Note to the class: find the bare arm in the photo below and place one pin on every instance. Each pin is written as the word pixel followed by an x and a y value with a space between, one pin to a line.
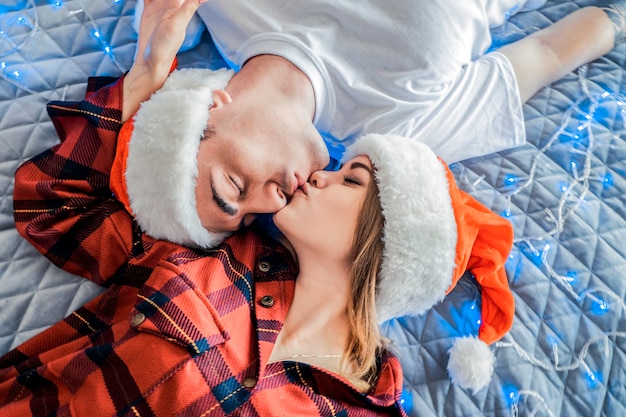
pixel 161 34
pixel 551 53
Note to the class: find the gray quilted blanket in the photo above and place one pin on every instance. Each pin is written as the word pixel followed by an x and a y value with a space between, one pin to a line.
pixel 564 192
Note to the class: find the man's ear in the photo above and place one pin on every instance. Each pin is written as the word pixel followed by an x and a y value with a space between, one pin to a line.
pixel 220 98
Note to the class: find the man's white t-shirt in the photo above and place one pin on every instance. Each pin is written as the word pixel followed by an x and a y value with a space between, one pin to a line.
pixel 415 68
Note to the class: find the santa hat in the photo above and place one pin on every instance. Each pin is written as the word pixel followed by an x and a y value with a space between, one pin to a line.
pixel 433 233
pixel 155 168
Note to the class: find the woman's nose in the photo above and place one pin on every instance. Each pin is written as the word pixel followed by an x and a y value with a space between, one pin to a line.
pixel 321 179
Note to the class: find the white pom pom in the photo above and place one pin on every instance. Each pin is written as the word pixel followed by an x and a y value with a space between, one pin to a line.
pixel 471 363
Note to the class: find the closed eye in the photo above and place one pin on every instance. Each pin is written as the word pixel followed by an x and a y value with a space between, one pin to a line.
pixel 221 203
pixel 352 180
pixel 237 185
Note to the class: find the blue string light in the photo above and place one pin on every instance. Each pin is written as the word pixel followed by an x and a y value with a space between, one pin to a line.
pixel 594 379
pixel 599 306
pixel 510 179
pixel 571 277
pixel 511 394
pixel 607 180
pixel 406 400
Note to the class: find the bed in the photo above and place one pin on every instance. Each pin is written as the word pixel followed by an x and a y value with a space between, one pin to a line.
pixel 564 192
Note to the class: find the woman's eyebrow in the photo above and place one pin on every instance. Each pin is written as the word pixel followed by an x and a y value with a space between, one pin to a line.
pixel 361 165
pixel 221 203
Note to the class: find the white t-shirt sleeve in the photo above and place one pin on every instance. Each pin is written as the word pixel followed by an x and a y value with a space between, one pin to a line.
pixel 480 113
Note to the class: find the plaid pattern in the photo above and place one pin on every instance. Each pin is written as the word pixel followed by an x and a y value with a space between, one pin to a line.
pixel 178 331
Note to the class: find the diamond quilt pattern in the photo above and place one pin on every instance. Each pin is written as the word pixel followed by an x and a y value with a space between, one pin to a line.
pixel 564 192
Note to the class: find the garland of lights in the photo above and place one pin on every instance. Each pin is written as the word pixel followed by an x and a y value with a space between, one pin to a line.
pixel 573 194
pixel 25 15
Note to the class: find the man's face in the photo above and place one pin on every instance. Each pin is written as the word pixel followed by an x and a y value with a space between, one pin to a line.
pixel 253 163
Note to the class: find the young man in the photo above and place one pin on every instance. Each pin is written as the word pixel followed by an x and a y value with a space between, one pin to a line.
pixel 420 70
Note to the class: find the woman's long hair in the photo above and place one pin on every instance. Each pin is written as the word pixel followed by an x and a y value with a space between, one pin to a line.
pixel 365 341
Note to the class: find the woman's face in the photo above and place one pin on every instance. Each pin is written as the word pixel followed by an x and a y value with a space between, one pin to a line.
pixel 323 213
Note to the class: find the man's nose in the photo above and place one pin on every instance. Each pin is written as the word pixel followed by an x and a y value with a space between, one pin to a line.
pixel 264 199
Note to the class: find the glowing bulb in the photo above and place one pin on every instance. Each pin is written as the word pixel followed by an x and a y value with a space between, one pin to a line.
pixel 593 379
pixel 600 307
pixel 96 33
pixel 511 394
pixel 607 180
pixel 574 166
pixel 406 401
pixel 571 277
pixel 510 179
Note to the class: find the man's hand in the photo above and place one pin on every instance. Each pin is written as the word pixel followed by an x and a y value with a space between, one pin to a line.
pixel 161 34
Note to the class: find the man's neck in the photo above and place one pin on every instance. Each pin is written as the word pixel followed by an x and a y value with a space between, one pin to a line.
pixel 274 75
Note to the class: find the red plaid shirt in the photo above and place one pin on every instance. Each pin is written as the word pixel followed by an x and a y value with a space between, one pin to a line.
pixel 178 331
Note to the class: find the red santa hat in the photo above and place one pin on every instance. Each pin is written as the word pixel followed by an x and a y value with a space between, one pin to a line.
pixel 433 233
pixel 155 168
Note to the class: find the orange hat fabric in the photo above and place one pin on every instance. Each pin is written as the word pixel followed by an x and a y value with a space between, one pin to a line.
pixel 484 242
pixel 117 180
pixel 433 233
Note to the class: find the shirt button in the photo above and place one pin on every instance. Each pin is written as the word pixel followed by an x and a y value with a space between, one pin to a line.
pixel 267 301
pixel 264 266
pixel 138 319
pixel 249 382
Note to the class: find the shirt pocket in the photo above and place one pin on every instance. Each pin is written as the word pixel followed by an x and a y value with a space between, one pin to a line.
pixel 169 305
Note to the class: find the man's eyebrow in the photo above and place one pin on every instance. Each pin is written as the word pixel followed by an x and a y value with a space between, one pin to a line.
pixel 221 203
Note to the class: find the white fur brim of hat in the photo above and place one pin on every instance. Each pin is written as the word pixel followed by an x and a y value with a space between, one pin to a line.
pixel 162 167
pixel 420 232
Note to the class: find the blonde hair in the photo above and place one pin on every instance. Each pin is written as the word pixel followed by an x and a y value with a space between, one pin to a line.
pixel 365 341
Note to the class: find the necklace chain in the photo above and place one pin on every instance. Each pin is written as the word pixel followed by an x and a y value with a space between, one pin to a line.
pixel 304 355
pixel 299 355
